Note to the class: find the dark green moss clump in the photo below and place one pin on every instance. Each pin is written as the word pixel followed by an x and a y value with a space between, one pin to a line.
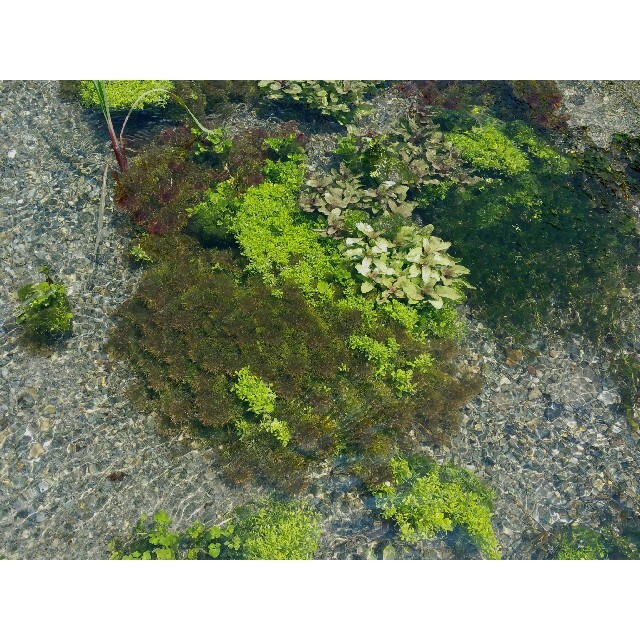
pixel 190 346
pixel 45 310
pixel 581 543
pixel 267 346
pixel 542 249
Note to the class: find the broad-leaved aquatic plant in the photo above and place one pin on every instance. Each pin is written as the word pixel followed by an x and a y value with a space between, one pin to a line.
pixel 413 266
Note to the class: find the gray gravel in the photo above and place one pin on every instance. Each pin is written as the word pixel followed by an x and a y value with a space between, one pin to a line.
pixel 545 432
pixel 602 107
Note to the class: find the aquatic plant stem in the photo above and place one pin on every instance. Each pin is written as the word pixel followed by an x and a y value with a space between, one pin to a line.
pixel 104 103
pixel 103 196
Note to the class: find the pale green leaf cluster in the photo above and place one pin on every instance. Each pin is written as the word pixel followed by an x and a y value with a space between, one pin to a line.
pixel 214 142
pixel 340 193
pixel 414 266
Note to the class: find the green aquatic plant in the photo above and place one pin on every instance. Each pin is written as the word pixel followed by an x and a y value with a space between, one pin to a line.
pixel 278 244
pixel 541 250
pixel 137 94
pixel 44 309
pixel 122 94
pixel 214 142
pixel 412 266
pixel 488 149
pixel 270 530
pixel 210 220
pixel 424 499
pixel 258 395
pixel 139 255
pixel 344 100
pixel 259 295
pixel 278 531
pixel 384 175
pixel 188 348
pixel 581 543
pixel 163 182
pixel 390 363
pixel 103 101
pixel 261 400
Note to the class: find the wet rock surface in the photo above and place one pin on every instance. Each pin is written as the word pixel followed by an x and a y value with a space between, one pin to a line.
pixel 603 107
pixel 78 465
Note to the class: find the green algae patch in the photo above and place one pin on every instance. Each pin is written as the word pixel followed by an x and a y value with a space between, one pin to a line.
pixel 271 530
pixel 425 499
pixel 122 94
pixel 44 309
pixel 489 149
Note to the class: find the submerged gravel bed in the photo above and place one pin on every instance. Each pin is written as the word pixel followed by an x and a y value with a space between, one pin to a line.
pixel 78 464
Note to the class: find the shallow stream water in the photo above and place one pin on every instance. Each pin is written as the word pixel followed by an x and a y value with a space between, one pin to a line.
pixel 79 465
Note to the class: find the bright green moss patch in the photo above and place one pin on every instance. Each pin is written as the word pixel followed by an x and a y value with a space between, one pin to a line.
pixel 121 94
pixel 255 392
pixel 279 531
pixel 425 499
pixel 44 309
pixel 526 138
pixel 271 531
pixel 489 149
pixel 261 400
pixel 277 245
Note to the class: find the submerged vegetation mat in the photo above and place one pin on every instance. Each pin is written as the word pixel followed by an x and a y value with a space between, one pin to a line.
pixel 292 315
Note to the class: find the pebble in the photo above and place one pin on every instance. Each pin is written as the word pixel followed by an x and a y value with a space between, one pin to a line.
pixel 535 393
pixel 607 397
pixel 36 450
pixel 553 411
